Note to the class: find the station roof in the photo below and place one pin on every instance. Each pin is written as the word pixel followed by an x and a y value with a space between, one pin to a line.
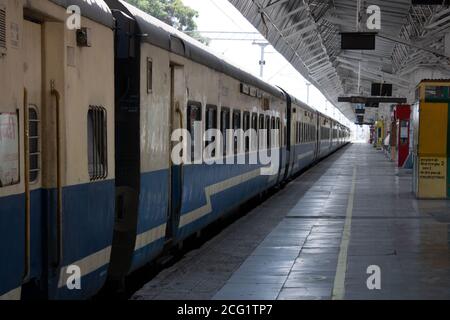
pixel 307 34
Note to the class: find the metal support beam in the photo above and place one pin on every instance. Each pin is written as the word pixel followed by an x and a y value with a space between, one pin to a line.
pixel 371 100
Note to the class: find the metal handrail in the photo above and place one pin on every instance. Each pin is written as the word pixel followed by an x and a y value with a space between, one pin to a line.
pixel 59 246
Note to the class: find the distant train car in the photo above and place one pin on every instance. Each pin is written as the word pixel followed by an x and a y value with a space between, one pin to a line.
pixel 88 184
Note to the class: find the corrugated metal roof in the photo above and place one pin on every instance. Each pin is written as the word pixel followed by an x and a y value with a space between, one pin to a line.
pixel 307 33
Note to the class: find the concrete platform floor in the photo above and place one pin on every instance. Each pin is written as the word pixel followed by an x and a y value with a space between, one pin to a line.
pixel 316 239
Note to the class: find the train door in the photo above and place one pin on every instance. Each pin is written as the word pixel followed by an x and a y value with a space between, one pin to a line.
pixel 33 142
pixel 127 144
pixel 20 164
pixel 177 101
pixel 288 135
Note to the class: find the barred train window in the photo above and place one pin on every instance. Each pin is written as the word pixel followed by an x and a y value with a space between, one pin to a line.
pixel 255 121
pixel 194 114
pixel 211 117
pixel 268 132
pixel 97 143
pixel 280 135
pixel 34 147
pixel 224 126
pixel 236 126
pixel 246 128
pixel 211 122
pixel 261 122
pixel 2 30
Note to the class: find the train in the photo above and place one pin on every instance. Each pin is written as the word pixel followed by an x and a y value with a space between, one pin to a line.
pixel 88 189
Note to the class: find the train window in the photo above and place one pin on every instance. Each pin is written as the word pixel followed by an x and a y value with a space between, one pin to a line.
pixel 9 149
pixel 3 31
pixel 211 122
pixel 236 126
pixel 246 128
pixel 305 125
pixel 149 75
pixel 260 131
pixel 236 119
pixel 254 127
pixel 261 122
pixel 255 121
pixel 194 114
pixel 224 126
pixel 97 143
pixel 306 132
pixel 246 121
pixel 278 127
pixel 268 131
pixel 33 146
pixel 273 130
pixel 302 131
pixel 211 117
pixel 300 136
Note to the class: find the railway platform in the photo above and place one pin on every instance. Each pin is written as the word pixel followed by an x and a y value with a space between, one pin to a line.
pixel 348 228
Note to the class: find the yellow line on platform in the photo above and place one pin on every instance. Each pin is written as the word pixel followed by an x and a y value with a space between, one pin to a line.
pixel 341 270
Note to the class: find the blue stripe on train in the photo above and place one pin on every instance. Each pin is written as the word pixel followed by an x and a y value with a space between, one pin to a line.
pixel 88 222
pixel 302 149
pixel 198 177
pixel 12 242
pixel 153 208
pixel 153 198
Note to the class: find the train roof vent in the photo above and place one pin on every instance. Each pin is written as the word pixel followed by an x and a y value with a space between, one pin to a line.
pixel 2 31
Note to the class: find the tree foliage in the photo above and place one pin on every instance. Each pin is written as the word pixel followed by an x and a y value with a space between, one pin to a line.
pixel 172 12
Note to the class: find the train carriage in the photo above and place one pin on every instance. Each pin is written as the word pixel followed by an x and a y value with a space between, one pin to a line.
pixel 175 82
pixel 57 164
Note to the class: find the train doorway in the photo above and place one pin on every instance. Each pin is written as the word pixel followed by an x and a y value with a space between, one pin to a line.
pixel 177 101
